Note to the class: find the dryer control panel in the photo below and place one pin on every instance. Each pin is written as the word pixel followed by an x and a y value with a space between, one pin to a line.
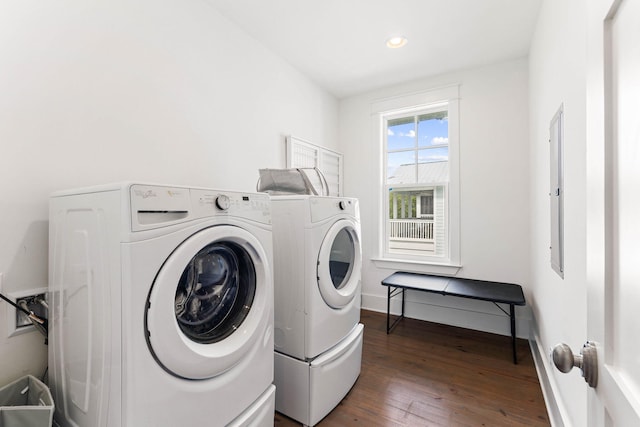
pixel 327 207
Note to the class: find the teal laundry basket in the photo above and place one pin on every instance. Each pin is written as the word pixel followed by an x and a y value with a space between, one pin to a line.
pixel 26 402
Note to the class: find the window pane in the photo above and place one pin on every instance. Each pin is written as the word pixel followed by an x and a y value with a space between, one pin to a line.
pixel 402 204
pixel 433 166
pixel 433 129
pixel 401 133
pixel 429 155
pixel 438 115
pixel 416 221
pixel 401 167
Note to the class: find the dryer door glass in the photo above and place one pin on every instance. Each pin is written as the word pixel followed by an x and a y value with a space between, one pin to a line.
pixel 341 258
pixel 215 292
pixel 340 263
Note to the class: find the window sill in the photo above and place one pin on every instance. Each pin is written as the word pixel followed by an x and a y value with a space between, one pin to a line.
pixel 417 266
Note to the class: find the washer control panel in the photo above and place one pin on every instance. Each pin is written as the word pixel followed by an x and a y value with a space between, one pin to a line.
pixel 246 205
pixel 154 206
pixel 223 202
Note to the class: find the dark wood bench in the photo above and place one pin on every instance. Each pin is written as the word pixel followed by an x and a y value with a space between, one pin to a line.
pixel 495 292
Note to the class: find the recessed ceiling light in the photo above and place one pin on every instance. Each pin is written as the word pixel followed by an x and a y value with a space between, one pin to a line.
pixel 396 42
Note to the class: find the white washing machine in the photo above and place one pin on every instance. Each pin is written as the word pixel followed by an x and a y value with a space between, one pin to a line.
pixel 161 305
pixel 317 282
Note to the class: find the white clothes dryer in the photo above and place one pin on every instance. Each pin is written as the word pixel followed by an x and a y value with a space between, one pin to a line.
pixel 161 307
pixel 317 282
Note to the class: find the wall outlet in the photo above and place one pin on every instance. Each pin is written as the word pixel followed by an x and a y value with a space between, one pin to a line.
pixel 18 322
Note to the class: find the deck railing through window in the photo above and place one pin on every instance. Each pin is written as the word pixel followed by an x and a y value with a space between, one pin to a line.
pixel 411 229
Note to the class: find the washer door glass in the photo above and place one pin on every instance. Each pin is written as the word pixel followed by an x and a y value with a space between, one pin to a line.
pixel 210 303
pixel 215 292
pixel 341 258
pixel 340 264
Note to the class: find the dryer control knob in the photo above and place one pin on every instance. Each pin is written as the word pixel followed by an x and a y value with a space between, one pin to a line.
pixel 223 202
pixel 342 204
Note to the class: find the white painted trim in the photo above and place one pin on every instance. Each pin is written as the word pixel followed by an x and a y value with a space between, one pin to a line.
pixel 410 104
pixel 553 410
pixel 453 188
pixel 556 409
pixel 411 101
pixel 417 266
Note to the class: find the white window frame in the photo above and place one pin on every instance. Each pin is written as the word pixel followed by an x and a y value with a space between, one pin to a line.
pixel 404 106
pixel 304 154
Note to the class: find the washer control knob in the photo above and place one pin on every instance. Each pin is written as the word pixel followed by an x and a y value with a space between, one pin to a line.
pixel 342 205
pixel 223 202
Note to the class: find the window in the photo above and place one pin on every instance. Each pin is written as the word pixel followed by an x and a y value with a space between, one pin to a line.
pixel 420 218
pixel 303 154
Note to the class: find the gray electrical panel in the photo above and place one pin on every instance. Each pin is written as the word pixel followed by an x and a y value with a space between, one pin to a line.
pixel 556 193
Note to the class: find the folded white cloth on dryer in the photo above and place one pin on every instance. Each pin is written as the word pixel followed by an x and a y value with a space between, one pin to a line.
pixel 292 181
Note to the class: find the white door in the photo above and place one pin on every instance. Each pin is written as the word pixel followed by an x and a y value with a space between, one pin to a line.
pixel 613 209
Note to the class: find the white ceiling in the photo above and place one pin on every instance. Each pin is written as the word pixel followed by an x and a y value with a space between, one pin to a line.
pixel 340 44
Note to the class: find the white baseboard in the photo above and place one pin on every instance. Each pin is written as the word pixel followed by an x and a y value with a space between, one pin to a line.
pixel 558 414
pixel 465 313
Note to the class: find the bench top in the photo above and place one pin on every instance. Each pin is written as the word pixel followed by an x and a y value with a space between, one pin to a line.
pixel 508 293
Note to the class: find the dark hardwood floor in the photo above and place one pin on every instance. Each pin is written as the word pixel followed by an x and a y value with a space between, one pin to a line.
pixel 427 374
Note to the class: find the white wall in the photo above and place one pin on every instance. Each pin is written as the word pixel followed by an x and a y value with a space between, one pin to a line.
pixel 160 91
pixel 494 184
pixel 557 76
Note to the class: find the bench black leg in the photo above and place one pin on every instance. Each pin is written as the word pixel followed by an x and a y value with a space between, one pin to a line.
pixel 388 306
pixel 512 314
pixel 391 294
